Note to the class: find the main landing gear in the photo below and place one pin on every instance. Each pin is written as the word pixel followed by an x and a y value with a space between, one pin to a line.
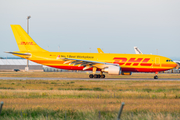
pixel 96 76
pixel 156 77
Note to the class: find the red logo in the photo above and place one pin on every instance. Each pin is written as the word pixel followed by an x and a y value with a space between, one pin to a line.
pixel 27 43
pixel 132 61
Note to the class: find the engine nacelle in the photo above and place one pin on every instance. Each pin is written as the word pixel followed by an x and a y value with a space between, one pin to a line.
pixel 113 70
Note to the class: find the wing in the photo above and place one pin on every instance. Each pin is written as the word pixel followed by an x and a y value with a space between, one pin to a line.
pixel 86 63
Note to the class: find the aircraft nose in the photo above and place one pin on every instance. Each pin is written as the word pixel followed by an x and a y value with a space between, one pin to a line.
pixel 177 65
pixel 174 65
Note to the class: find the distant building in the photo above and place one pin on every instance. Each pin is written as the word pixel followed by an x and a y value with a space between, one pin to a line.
pixel 51 69
pixel 12 63
pixel 9 64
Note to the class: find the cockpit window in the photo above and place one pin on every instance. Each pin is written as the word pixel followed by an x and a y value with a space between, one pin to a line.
pixel 169 61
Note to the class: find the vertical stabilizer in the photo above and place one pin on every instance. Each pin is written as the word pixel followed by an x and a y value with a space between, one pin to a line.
pixel 99 50
pixel 137 51
pixel 24 41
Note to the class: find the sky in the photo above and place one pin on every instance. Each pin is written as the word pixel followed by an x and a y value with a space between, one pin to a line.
pixel 115 26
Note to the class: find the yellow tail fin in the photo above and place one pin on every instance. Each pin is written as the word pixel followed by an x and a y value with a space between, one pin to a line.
pixel 99 50
pixel 24 41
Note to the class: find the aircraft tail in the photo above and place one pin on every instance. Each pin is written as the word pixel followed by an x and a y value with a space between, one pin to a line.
pixel 24 41
pixel 99 50
pixel 137 50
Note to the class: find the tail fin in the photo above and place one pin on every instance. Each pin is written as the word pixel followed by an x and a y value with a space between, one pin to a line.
pixel 137 50
pixel 99 50
pixel 24 41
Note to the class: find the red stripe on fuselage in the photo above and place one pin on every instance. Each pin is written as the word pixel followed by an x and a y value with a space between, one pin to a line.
pixel 123 69
pixel 143 69
pixel 71 68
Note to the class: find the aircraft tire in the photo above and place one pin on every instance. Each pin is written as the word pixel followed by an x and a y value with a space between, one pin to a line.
pixel 91 76
pixel 156 77
pixel 96 76
pixel 99 76
pixel 102 76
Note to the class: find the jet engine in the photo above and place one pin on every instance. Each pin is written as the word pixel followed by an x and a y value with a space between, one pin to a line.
pixel 113 70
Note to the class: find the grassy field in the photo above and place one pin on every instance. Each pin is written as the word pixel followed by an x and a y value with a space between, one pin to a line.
pixel 88 99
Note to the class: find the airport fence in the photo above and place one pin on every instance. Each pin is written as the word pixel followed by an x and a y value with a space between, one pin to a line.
pixel 1 107
pixel 65 116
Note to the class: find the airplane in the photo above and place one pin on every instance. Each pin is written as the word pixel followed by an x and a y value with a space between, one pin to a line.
pixel 113 64
pixel 137 50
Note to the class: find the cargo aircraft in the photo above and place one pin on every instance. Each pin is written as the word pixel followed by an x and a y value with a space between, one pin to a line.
pixel 113 64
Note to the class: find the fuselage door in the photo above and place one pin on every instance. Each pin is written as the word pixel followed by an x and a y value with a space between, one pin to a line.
pixel 157 61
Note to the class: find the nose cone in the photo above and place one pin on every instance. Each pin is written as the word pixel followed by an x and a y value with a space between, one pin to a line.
pixel 174 65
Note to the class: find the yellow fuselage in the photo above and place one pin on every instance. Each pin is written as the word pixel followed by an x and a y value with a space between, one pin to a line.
pixel 127 62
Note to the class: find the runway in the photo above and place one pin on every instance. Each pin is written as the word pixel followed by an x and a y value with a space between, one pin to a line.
pixel 38 78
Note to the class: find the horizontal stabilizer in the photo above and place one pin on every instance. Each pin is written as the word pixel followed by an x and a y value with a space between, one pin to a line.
pixel 16 53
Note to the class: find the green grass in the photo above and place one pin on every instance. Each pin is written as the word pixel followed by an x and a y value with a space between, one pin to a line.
pixel 10 88
pixel 83 99
pixel 39 114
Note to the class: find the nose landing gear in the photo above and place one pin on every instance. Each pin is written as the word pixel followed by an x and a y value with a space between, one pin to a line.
pixel 156 77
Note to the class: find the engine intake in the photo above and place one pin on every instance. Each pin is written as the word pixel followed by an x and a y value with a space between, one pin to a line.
pixel 113 70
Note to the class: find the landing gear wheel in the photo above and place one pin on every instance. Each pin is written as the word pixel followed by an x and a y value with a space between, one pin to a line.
pixel 103 76
pixel 96 76
pixel 91 76
pixel 156 77
pixel 99 76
